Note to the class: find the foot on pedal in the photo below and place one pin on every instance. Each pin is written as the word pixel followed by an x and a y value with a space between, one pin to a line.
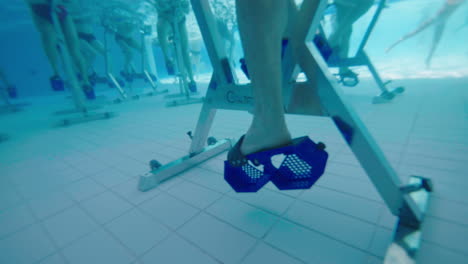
pixel 303 164
pixel 244 173
pixel 12 92
pixel 93 78
pixel 192 86
pixel 170 68
pixel 127 76
pixel 89 92
pixel 57 83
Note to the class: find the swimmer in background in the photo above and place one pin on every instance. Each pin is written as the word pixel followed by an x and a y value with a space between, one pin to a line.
pixel 196 46
pixel 228 38
pixel 84 20
pixel 347 13
pixel 439 20
pixel 173 13
pixel 124 22
pixel 226 23
pixel 41 12
pixel 124 38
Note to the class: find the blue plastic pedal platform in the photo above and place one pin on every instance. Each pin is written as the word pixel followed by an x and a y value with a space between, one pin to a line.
pixel 12 92
pixel 90 95
pixel 192 87
pixel 302 167
pixel 57 84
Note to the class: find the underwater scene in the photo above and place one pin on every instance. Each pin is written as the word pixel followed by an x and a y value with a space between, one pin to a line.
pixel 233 131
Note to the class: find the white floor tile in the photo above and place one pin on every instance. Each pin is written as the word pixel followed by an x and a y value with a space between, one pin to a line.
pixel 169 210
pixel 381 240
pixel 433 254
pixel 106 206
pixel 54 259
pixel 312 247
pixel 252 220
pixel 49 204
pixel 220 240
pixel 208 178
pixel 9 197
pixel 271 201
pixel 14 219
pixel 84 189
pixel 110 177
pixel 344 203
pixel 177 251
pixel 97 247
pixel 449 211
pixel 138 231
pixel 194 194
pixel 448 235
pixel 130 192
pixel 361 188
pixel 69 225
pixel 26 247
pixel 264 253
pixel 338 226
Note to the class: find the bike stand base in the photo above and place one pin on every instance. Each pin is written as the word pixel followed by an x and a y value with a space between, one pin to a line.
pixel 185 101
pixel 157 92
pixel 170 96
pixel 86 117
pixel 153 178
pixel 406 238
pixel 388 96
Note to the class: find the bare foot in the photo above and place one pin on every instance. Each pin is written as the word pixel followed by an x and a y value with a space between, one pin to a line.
pixel 263 138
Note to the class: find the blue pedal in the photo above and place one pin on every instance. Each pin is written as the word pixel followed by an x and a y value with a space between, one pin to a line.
pixel 246 178
pixel 192 87
pixel 304 162
pixel 89 93
pixel 301 168
pixel 57 84
pixel 12 92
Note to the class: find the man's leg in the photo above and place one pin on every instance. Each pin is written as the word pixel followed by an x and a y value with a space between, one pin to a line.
pixel 73 43
pixel 163 33
pixel 261 25
pixel 184 44
pixel 49 42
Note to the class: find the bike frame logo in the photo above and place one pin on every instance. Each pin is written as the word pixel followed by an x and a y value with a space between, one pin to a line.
pixel 234 98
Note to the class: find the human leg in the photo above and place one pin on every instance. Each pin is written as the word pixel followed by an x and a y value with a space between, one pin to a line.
pixel 73 43
pixel 49 42
pixel 184 44
pixel 128 57
pixel 440 18
pixel 261 25
pixel 439 30
pixel 346 16
pixel 164 29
